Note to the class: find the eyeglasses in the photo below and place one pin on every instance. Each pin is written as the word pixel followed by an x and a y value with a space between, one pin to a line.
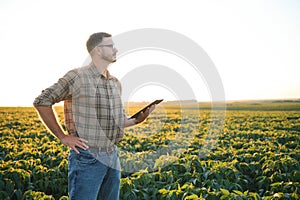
pixel 107 45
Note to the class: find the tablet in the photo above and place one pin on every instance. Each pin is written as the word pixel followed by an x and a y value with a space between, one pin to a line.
pixel 144 109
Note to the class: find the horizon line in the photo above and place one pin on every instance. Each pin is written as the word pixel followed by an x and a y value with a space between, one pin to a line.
pixel 187 100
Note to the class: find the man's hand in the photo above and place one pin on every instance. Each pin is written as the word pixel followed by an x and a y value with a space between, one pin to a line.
pixel 74 142
pixel 143 115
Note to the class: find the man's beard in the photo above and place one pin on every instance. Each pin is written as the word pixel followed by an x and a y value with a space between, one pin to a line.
pixel 109 59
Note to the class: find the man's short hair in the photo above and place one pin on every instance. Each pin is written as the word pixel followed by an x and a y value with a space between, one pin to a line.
pixel 95 39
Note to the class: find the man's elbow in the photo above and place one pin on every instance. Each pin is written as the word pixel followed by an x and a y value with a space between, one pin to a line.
pixel 38 103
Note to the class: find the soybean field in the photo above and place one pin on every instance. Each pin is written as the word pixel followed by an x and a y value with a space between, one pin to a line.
pixel 179 152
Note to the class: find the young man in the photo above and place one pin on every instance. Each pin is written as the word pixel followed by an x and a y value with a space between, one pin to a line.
pixel 95 120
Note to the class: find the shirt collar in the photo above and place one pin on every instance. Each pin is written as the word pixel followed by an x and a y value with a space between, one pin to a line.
pixel 97 73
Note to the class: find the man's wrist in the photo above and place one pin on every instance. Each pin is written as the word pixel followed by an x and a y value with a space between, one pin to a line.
pixel 61 136
pixel 135 121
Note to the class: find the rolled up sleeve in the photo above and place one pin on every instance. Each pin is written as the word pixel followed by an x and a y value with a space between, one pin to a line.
pixel 59 91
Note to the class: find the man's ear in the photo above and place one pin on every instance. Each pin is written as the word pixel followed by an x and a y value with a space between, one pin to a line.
pixel 97 50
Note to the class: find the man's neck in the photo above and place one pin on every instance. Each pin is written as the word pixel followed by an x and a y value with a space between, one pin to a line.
pixel 101 67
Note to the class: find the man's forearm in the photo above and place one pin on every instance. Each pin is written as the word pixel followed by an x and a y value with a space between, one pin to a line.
pixel 47 115
pixel 130 122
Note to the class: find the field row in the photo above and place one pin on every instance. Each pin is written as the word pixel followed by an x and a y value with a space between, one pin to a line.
pixel 175 154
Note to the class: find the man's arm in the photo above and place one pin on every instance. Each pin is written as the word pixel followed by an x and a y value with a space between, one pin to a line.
pixel 47 115
pixel 56 93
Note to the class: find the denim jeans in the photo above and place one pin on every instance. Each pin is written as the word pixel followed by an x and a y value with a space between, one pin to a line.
pixel 94 176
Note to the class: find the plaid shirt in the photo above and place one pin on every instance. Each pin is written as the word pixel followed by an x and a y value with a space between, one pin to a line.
pixel 92 105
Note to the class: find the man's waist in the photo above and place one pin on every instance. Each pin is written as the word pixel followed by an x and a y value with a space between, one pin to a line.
pixel 103 149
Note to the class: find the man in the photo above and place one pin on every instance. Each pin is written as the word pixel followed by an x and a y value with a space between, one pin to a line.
pixel 95 120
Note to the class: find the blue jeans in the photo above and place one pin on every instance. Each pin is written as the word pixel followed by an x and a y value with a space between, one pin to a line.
pixel 94 176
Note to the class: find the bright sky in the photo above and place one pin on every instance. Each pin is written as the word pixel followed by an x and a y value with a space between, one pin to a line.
pixel 254 44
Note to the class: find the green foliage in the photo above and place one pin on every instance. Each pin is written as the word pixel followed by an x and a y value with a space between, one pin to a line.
pixel 255 157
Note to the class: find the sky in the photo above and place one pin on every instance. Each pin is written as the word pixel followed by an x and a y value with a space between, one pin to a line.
pixel 254 45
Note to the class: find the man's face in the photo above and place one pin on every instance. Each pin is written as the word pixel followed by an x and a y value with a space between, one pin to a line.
pixel 109 52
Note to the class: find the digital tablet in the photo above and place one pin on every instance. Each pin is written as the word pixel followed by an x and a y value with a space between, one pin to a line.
pixel 145 108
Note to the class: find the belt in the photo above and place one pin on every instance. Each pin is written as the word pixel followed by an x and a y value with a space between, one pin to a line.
pixel 107 149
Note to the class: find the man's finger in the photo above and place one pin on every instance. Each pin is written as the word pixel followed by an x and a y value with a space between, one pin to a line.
pixel 74 148
pixel 81 145
pixel 83 140
pixel 151 108
pixel 84 146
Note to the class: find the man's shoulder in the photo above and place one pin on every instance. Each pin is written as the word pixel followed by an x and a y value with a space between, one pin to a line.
pixel 75 72
pixel 114 78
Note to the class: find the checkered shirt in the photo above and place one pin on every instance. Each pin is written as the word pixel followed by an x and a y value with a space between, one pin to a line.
pixel 93 107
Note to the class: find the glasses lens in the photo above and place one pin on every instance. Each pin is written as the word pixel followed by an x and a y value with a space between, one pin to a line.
pixel 108 45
